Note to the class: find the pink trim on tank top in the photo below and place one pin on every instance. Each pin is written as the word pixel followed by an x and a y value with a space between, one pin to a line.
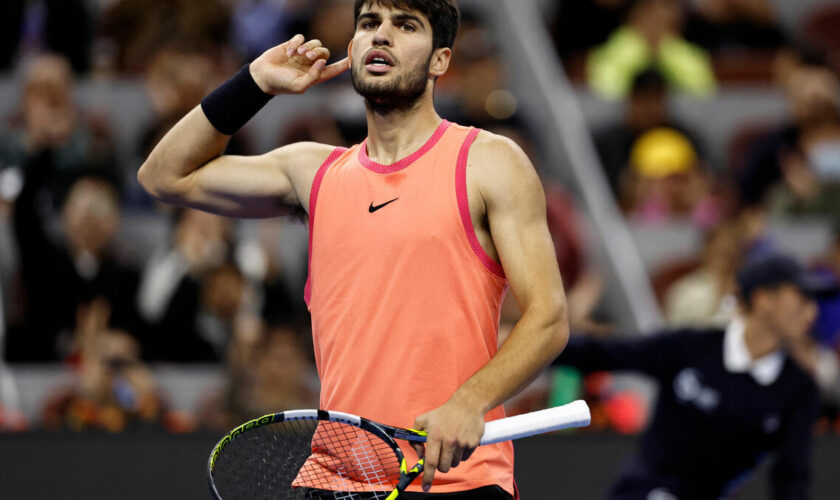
pixel 408 160
pixel 313 198
pixel 464 206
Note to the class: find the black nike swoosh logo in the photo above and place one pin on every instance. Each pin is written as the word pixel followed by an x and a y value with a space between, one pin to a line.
pixel 373 208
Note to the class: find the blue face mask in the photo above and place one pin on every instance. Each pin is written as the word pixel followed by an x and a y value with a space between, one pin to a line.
pixel 824 158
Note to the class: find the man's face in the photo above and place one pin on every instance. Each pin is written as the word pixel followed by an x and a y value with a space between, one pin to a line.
pixel 91 215
pixel 812 93
pixel 789 313
pixel 391 52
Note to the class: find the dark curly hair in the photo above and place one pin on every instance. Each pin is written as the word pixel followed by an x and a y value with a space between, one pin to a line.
pixel 443 15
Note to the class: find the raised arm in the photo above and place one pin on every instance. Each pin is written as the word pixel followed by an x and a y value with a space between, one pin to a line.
pixel 187 167
pixel 515 210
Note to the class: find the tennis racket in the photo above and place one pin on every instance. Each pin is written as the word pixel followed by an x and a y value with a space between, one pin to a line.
pixel 318 454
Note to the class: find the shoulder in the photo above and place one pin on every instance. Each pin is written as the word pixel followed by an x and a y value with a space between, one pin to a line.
pixel 299 163
pixel 801 379
pixel 498 165
pixel 498 152
pixel 303 155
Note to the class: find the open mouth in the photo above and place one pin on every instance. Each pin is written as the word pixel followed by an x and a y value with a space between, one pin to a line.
pixel 378 61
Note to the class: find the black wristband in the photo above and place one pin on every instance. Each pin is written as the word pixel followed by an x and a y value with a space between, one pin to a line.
pixel 236 101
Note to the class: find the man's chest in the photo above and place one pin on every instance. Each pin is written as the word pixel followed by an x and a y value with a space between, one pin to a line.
pixel 732 402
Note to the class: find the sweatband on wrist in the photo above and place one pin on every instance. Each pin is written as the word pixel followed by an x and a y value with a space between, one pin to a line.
pixel 236 101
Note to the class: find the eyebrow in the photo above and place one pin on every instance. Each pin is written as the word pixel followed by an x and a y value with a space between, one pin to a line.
pixel 408 17
pixel 402 17
pixel 368 16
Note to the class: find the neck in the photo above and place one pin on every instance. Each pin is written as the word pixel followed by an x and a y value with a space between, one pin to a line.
pixel 760 342
pixel 396 134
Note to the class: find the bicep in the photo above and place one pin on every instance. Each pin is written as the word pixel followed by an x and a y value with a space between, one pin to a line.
pixel 267 185
pixel 516 215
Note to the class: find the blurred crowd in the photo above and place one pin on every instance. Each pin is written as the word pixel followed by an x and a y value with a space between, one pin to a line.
pixel 226 292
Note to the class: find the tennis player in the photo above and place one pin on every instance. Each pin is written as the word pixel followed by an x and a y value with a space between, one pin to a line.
pixel 728 397
pixel 415 235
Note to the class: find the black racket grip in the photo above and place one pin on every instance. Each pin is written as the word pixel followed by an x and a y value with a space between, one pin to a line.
pixel 407 478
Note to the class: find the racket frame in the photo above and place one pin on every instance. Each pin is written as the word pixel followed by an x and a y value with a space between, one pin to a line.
pixel 574 414
pixel 384 432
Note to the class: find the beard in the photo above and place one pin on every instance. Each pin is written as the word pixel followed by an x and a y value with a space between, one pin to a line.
pixel 398 94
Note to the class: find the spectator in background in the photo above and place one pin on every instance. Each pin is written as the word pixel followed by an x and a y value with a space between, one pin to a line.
pixel 812 95
pixel 192 295
pixel 332 23
pixel 115 390
pixel 828 322
pixel 340 120
pixel 62 269
pixel 258 25
pixel 175 82
pixel 478 85
pixel 666 181
pixel 645 109
pixel 719 25
pixel 650 36
pixel 736 389
pixel 264 263
pixel 705 297
pixel 50 119
pixel 137 30
pixel 824 351
pixel 268 371
pixel 169 294
pixel 582 24
pixel 60 26
pixel 810 182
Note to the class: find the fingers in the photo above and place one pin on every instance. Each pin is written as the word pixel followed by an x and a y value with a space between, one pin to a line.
pixel 457 456
pixel 450 456
pixel 292 45
pixel 334 69
pixel 312 76
pixel 316 53
pixel 441 456
pixel 298 46
pixel 432 461
pixel 310 46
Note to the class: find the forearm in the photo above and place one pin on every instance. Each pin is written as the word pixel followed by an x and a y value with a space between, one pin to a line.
pixel 538 337
pixel 189 145
pixel 200 137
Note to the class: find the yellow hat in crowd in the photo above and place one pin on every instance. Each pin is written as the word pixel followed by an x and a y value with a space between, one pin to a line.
pixel 661 152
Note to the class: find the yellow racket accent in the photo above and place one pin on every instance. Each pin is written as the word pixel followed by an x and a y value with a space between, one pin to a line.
pixel 417 467
pixel 409 476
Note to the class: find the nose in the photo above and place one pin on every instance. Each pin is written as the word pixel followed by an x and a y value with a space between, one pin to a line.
pixel 382 37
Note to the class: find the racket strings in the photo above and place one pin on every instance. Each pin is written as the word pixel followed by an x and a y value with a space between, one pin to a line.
pixel 306 460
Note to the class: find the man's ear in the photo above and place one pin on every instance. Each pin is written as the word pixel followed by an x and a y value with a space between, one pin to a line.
pixel 440 61
pixel 350 52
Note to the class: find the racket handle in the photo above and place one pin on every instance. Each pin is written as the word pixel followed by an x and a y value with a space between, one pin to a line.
pixel 574 414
